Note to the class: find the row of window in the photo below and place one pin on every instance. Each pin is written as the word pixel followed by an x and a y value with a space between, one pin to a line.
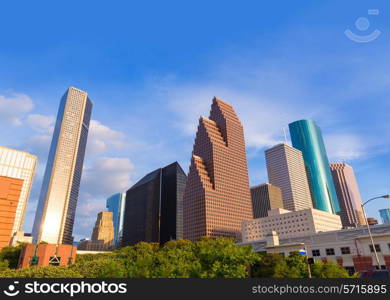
pixel 344 250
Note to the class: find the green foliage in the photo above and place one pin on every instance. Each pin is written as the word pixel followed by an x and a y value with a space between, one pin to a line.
pixel 41 272
pixel 3 265
pixel 266 265
pixel 11 255
pixel 207 258
pixel 221 258
pixel 329 269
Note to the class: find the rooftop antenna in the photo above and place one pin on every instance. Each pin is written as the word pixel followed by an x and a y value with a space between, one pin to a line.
pixel 285 134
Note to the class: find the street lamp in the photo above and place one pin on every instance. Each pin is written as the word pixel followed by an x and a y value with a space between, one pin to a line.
pixel 368 226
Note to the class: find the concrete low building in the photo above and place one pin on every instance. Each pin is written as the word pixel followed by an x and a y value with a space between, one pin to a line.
pixel 290 224
pixel 351 248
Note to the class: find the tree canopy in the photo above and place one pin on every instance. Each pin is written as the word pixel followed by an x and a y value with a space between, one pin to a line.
pixel 207 258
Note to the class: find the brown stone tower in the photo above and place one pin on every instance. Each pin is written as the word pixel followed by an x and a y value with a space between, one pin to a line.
pixel 217 196
pixel 104 229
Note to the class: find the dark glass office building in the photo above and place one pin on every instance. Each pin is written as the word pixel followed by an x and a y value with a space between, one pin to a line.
pixel 306 136
pixel 154 207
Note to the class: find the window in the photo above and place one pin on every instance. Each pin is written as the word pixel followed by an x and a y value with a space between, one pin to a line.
pixel 377 248
pixel 316 252
pixel 345 250
pixel 330 251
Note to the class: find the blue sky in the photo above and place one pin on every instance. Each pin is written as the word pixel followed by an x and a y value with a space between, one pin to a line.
pixel 152 68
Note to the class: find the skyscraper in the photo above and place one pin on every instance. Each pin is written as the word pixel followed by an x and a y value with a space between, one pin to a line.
pixel 60 188
pixel 348 195
pixel 286 170
pixel 264 198
pixel 116 205
pixel 153 207
pixel 306 136
pixel 385 215
pixel 217 197
pixel 20 165
pixel 104 229
pixel 10 189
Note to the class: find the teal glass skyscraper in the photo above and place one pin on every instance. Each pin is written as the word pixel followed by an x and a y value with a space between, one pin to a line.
pixel 116 205
pixel 385 215
pixel 306 136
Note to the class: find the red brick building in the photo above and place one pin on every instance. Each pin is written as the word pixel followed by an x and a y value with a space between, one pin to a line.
pixel 10 189
pixel 217 196
pixel 47 254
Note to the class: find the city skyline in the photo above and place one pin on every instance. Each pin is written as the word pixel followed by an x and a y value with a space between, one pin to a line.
pixel 273 69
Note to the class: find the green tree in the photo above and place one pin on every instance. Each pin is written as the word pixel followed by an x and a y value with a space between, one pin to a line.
pixel 41 272
pixel 271 265
pixel 329 269
pixel 265 265
pixel 11 255
pixel 3 265
pixel 102 267
pixel 222 258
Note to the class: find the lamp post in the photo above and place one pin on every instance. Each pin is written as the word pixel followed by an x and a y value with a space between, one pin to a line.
pixel 368 226
pixel 304 252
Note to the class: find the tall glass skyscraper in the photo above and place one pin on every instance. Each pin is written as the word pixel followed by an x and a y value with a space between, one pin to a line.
pixel 306 136
pixel 116 205
pixel 60 188
pixel 385 215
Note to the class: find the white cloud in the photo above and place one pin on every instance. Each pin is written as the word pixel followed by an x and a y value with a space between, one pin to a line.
pixel 13 108
pixel 107 175
pixel 38 145
pixel 41 123
pixel 263 117
pixel 102 138
pixel 345 147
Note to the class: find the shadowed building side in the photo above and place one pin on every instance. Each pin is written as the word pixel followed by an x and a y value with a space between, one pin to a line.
pixel 217 197
pixel 264 198
pixel 153 210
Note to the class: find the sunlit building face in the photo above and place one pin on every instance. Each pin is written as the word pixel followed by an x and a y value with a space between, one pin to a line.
pixel 20 165
pixel 58 199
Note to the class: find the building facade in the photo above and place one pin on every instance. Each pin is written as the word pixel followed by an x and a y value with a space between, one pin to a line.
pixel 116 205
pixel 47 254
pixel 20 165
pixel 61 182
pixel 348 194
pixel 351 248
pixel 286 170
pixel 10 190
pixel 217 196
pixel 306 136
pixel 264 198
pixel 153 210
pixel 104 229
pixel 290 224
pixel 385 215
